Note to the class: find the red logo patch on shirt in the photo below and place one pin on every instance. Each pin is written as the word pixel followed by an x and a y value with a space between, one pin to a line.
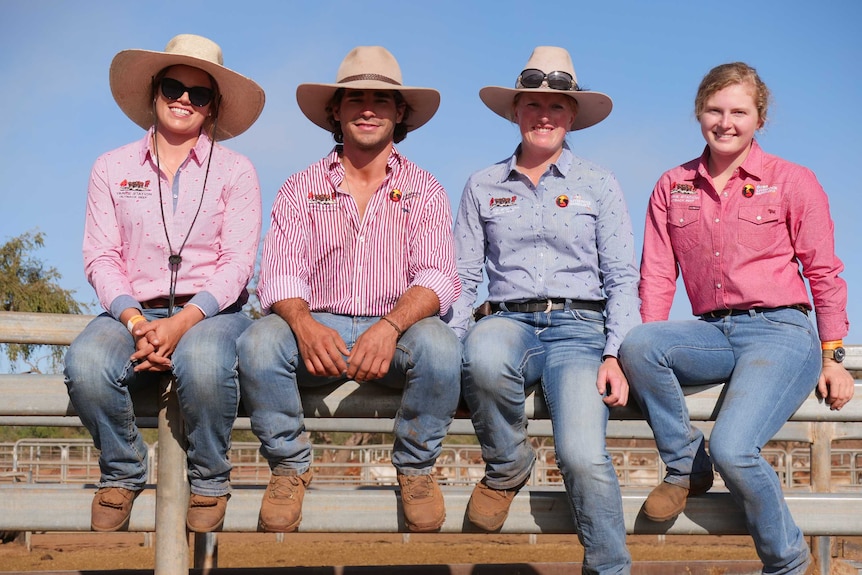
pixel 502 202
pixel 325 198
pixel 134 185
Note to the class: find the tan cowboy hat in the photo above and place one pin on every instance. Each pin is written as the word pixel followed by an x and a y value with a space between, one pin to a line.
pixel 132 73
pixel 367 68
pixel 593 107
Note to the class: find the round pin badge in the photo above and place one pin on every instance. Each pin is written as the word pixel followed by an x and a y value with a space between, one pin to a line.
pixel 562 201
pixel 747 190
pixel 395 195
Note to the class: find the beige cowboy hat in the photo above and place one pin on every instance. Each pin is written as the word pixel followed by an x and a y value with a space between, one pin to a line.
pixel 132 73
pixel 593 107
pixel 367 68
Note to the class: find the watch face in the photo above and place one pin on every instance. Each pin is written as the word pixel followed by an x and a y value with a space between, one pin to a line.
pixel 838 353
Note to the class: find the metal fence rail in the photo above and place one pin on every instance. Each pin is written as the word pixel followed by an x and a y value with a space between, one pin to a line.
pixel 825 496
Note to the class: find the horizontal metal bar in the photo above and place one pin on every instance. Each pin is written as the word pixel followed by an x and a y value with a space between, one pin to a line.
pixel 61 329
pixel 377 509
pixel 46 395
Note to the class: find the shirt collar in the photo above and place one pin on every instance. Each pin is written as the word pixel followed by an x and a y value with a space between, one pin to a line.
pixel 559 168
pixel 753 164
pixel 199 152
pixel 336 168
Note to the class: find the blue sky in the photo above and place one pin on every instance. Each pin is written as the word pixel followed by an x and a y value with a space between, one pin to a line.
pixel 649 56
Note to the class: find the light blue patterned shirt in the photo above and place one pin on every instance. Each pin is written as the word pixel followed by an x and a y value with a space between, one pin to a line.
pixel 569 237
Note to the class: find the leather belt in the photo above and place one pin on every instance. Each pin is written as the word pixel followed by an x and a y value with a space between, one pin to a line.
pixel 547 305
pixel 163 302
pixel 719 313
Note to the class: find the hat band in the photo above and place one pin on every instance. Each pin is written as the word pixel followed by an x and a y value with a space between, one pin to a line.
pixel 377 77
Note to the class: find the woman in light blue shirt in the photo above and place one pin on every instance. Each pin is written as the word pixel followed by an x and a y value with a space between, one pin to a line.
pixel 553 234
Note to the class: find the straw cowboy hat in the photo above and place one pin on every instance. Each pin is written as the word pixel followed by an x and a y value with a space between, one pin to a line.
pixel 132 73
pixel 367 68
pixel 593 107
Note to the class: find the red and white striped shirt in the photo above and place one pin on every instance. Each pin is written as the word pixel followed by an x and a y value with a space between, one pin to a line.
pixel 318 249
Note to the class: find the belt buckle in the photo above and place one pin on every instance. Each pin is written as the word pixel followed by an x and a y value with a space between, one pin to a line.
pixel 550 305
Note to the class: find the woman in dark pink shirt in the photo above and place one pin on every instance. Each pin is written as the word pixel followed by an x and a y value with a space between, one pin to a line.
pixel 737 223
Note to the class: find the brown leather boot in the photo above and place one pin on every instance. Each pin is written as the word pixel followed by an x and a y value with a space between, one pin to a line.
pixel 281 508
pixel 668 500
pixel 206 513
pixel 422 500
pixel 111 508
pixel 489 507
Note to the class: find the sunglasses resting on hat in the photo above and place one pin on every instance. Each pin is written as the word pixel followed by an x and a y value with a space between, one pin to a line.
pixel 533 78
pixel 199 96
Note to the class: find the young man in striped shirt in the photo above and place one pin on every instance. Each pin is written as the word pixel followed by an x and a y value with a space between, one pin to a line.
pixel 358 265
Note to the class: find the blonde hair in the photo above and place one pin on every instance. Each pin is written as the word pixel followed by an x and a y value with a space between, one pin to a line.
pixel 730 74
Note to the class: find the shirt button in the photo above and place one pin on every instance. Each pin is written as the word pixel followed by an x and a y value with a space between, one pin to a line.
pixel 682 220
pixel 717 220
pixel 759 218
pixel 717 254
pixel 718 286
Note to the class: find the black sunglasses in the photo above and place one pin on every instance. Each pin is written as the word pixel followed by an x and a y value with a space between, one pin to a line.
pixel 533 78
pixel 198 95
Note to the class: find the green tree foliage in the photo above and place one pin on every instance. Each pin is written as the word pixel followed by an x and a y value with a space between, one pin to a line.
pixel 27 284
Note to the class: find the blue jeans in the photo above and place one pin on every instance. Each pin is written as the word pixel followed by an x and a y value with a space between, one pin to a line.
pixel 425 366
pixel 771 362
pixel 99 377
pixel 507 352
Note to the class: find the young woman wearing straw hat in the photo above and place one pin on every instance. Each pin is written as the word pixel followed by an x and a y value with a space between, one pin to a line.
pixel 171 236
pixel 552 232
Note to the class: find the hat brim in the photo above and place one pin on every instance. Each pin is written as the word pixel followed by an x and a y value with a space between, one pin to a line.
pixel 593 107
pixel 132 71
pixel 313 98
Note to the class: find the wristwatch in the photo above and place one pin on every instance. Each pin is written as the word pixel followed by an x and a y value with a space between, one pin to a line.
pixel 837 354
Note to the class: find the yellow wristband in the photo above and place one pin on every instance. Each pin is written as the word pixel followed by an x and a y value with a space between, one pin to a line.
pixel 835 344
pixel 130 325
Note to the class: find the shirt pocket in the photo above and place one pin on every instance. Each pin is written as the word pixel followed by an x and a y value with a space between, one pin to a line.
pixel 760 226
pixel 683 228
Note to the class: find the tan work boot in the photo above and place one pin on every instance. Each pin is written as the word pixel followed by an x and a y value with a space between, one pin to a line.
pixel 668 500
pixel 206 513
pixel 281 508
pixel 422 500
pixel 111 509
pixel 489 507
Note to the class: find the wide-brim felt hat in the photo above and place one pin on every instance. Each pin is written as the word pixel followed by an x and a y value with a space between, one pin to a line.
pixel 593 107
pixel 132 73
pixel 368 68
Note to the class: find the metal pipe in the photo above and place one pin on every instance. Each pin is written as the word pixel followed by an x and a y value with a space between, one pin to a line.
pixel 172 492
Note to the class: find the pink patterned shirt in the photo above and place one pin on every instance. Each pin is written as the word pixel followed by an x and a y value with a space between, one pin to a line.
pixel 742 247
pixel 318 249
pixel 125 249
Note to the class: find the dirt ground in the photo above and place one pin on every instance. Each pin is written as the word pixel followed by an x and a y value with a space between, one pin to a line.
pixel 94 551
pixel 99 551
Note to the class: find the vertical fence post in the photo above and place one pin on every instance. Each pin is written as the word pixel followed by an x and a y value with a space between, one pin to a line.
pixel 172 492
pixel 821 482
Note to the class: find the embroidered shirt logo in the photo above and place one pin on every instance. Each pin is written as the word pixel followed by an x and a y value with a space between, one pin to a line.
pixel 134 186
pixel 678 188
pixel 322 199
pixel 762 189
pixel 502 202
